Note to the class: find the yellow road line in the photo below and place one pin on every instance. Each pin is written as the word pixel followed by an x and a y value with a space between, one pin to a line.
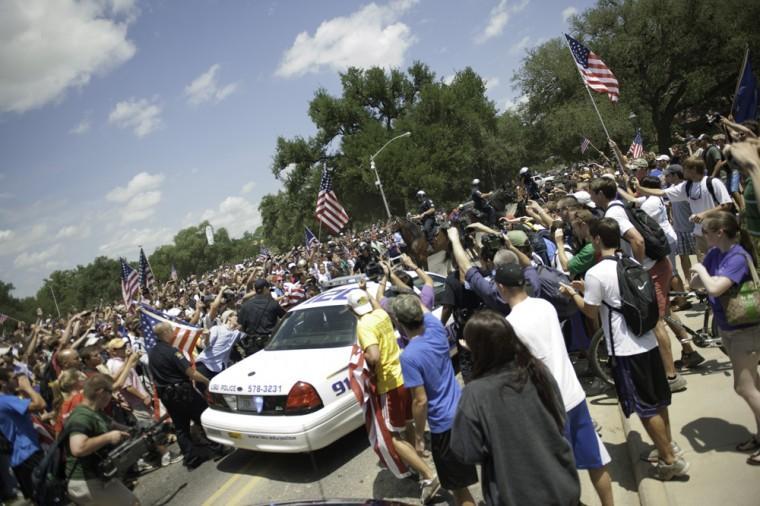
pixel 243 491
pixel 227 484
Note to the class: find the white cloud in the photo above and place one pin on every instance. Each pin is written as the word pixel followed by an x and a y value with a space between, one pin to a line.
pixel 126 242
pixel 236 214
pixel 142 116
pixel 568 13
pixel 141 195
pixel 520 45
pixel 73 232
pixel 512 104
pixel 498 19
pixel 447 80
pixel 16 241
pixel 81 128
pixel 38 259
pixel 371 36
pixel 6 235
pixel 248 187
pixel 491 83
pixel 205 88
pixel 48 47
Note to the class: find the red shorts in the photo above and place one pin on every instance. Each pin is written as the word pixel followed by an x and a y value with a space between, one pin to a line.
pixel 397 408
pixel 662 273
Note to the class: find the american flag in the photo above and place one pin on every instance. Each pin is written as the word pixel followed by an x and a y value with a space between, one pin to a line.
pixel 310 239
pixel 185 335
pixel 294 293
pixel 146 274
pixel 329 211
pixel 264 253
pixel 174 274
pixel 637 146
pixel 595 73
pixel 130 283
pixel 379 436
pixel 584 145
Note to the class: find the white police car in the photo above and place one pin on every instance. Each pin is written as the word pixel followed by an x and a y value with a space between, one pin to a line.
pixel 294 396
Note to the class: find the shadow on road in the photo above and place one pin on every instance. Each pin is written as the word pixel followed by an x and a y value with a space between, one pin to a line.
pixel 707 434
pixel 297 468
pixel 709 367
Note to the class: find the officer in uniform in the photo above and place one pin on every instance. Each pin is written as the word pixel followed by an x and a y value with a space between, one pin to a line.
pixel 426 214
pixel 173 376
pixel 258 317
pixel 479 202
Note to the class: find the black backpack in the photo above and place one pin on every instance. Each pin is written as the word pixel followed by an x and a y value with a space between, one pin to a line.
pixel 637 295
pixel 49 477
pixel 550 280
pixel 711 189
pixel 656 245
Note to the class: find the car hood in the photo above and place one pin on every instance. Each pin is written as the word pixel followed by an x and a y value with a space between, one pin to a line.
pixel 283 368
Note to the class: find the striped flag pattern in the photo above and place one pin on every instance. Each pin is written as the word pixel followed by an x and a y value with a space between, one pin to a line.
pixel 637 146
pixel 310 240
pixel 185 335
pixel 584 145
pixel 329 211
pixel 366 394
pixel 146 274
pixel 596 74
pixel 130 283
pixel 294 293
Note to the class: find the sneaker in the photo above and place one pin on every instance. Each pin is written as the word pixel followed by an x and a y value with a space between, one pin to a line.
pixel 677 384
pixel 143 467
pixel 689 360
pixel 654 456
pixel 429 488
pixel 667 472
pixel 170 458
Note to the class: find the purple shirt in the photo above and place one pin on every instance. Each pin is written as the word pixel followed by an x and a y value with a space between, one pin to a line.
pixel 733 265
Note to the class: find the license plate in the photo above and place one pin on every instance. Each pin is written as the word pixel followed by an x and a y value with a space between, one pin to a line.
pixel 248 403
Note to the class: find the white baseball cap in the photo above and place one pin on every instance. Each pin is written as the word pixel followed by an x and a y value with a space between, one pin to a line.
pixel 584 198
pixel 524 170
pixel 662 158
pixel 358 300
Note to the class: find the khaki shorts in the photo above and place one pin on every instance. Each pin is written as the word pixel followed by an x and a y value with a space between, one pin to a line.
pixel 741 341
pixel 112 493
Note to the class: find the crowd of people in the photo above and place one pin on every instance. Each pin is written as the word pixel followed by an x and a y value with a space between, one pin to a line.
pixel 539 278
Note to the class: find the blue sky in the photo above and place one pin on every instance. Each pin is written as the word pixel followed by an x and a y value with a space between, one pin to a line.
pixel 123 121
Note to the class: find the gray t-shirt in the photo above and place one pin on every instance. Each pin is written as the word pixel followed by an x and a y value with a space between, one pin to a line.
pixel 680 212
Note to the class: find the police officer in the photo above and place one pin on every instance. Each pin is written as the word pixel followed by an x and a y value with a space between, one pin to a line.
pixel 426 214
pixel 258 317
pixel 173 376
pixel 479 202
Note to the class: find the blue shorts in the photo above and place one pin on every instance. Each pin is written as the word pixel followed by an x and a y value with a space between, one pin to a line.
pixel 588 449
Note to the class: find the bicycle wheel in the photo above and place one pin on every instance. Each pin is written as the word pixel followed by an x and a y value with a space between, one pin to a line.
pixel 599 359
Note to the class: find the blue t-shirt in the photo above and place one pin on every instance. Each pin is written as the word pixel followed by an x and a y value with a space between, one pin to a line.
pixel 425 362
pixel 16 425
pixel 733 265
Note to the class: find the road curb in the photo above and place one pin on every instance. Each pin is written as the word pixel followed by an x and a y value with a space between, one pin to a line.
pixel 651 492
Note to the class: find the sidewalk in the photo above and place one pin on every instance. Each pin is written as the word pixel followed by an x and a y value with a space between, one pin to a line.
pixel 708 420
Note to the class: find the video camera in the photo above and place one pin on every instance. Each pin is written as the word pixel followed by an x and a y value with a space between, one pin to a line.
pixel 117 462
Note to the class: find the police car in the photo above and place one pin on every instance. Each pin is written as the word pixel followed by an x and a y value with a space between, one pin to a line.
pixel 294 396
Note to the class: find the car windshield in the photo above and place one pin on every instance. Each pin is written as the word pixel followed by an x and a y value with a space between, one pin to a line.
pixel 317 327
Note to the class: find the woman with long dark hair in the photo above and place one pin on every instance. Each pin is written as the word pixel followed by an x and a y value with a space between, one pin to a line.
pixel 510 420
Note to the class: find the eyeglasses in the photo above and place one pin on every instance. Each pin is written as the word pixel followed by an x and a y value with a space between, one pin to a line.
pixel 696 195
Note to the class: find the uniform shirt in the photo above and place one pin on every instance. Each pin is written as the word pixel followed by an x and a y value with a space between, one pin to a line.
pixel 259 315
pixel 425 362
pixel 16 425
pixel 425 205
pixel 376 328
pixel 478 202
pixel 699 197
pixel 167 365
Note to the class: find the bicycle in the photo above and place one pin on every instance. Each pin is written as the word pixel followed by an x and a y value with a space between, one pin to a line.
pixel 708 336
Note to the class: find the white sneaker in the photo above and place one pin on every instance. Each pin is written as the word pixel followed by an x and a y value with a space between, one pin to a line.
pixel 143 467
pixel 429 488
pixel 170 458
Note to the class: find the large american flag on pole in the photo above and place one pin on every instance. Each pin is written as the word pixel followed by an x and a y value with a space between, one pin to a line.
pixel 130 283
pixel 596 74
pixel 329 211
pixel 185 335
pixel 379 436
pixel 637 146
pixel 584 145
pixel 146 274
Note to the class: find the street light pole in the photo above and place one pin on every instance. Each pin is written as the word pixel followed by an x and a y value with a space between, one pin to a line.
pixel 377 176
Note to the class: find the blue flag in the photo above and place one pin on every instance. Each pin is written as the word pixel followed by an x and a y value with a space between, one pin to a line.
pixel 310 239
pixel 747 94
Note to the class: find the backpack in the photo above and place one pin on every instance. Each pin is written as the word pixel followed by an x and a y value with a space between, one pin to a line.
pixel 711 190
pixel 656 245
pixel 638 298
pixel 542 245
pixel 49 477
pixel 550 280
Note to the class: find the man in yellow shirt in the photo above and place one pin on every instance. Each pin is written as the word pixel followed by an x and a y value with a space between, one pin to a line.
pixel 381 352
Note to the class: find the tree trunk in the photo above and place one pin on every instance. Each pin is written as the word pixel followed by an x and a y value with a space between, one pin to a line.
pixel 662 125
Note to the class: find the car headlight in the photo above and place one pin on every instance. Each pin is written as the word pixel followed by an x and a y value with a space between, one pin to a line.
pixel 231 401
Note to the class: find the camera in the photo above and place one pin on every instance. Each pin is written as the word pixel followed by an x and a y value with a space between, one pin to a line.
pixel 117 462
pixel 492 242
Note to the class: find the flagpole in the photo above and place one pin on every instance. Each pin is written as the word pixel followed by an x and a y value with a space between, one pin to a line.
pixel 593 102
pixel 597 150
pixel 52 292
pixel 739 80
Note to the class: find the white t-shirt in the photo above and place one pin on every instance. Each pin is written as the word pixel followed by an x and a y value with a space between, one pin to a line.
pixel 655 208
pixel 617 212
pixel 602 286
pixel 536 324
pixel 699 197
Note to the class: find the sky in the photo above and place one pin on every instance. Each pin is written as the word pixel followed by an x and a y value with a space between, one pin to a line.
pixel 124 121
